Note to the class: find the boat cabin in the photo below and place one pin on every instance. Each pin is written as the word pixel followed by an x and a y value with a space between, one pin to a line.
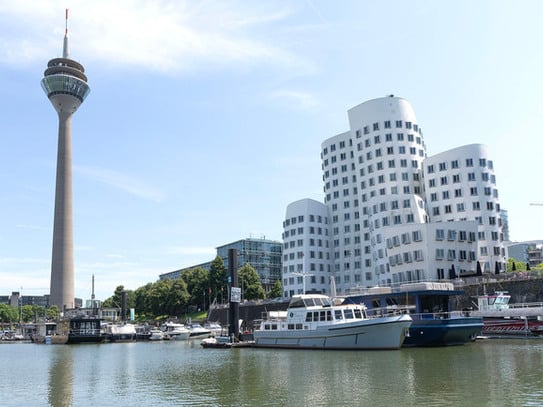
pixel 496 302
pixel 309 310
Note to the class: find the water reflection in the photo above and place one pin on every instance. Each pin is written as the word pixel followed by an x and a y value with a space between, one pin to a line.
pixel 60 390
pixel 176 373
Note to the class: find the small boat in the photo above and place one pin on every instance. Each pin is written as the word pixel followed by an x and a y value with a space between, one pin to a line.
pixel 503 319
pixel 429 305
pixel 315 321
pixel 215 328
pixel 156 334
pixel 197 331
pixel 217 342
pixel 121 332
pixel 175 331
pixel 85 330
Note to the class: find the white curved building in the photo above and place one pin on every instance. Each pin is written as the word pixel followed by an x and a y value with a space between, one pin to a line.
pixel 386 217
pixel 306 250
pixel 461 186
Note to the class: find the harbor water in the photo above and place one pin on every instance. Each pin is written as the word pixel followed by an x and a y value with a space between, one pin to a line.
pixel 181 373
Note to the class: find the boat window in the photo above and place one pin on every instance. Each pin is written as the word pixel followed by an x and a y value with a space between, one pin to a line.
pixel 358 313
pixel 316 316
pixel 326 302
pixel 298 326
pixel 309 302
pixel 348 313
pixel 323 315
pixel 309 317
pixel 338 314
pixel 329 315
pixel 296 302
pixel 290 326
pixel 274 326
pixel 266 327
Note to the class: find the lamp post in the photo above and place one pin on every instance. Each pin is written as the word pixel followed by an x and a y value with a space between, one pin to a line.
pixel 303 274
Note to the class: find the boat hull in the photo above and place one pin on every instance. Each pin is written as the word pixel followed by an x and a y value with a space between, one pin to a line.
pixel 443 332
pixel 374 333
pixel 512 327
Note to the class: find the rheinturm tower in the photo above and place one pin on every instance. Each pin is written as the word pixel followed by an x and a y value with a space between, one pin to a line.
pixel 66 87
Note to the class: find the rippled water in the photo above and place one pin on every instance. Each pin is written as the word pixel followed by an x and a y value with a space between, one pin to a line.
pixel 488 373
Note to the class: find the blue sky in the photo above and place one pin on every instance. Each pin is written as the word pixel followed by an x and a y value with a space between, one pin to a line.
pixel 205 118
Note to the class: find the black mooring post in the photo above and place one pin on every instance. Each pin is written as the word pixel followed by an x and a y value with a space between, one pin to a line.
pixel 123 306
pixel 233 328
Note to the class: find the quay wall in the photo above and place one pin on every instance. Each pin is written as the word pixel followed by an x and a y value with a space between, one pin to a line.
pixel 529 290
pixel 522 290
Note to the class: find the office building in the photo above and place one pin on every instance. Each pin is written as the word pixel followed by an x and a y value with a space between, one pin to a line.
pixel 390 213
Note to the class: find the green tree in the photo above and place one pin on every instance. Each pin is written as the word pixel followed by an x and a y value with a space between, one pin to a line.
pixel 143 308
pixel 519 265
pixel 116 302
pixel 218 277
pixel 8 313
pixel 52 312
pixel 27 313
pixel 276 290
pixel 178 297
pixel 197 280
pixel 157 296
pixel 250 283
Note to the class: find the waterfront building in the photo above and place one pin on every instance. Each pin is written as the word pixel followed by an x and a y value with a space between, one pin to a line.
pixel 262 254
pixel 17 300
pixel 530 252
pixel 66 87
pixel 393 214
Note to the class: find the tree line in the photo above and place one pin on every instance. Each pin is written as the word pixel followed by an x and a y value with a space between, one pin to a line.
pixel 194 290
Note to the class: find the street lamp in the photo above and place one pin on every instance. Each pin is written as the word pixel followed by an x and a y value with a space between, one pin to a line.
pixel 303 274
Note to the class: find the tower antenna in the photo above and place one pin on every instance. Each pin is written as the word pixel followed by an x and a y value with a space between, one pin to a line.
pixel 65 51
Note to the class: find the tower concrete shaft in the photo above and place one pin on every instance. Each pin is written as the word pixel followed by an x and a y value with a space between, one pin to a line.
pixel 66 86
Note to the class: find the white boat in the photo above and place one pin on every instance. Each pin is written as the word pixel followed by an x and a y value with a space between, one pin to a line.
pixel 215 328
pixel 156 334
pixel 197 331
pixel 501 318
pixel 121 332
pixel 314 321
pixel 175 331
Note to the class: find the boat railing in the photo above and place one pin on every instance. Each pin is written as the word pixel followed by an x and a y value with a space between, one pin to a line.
pixel 526 305
pixel 438 315
pixel 386 311
pixel 86 331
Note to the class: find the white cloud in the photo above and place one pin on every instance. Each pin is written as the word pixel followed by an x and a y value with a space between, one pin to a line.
pixel 122 182
pixel 294 99
pixel 162 35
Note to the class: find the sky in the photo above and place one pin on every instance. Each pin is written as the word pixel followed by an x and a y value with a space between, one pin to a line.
pixel 205 118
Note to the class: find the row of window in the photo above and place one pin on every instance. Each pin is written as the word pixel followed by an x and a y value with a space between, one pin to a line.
pixel 432 182
pixel 300 219
pixel 405 257
pixel 444 166
pixel 463 255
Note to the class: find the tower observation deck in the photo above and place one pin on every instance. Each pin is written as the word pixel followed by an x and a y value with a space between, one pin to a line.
pixel 65 84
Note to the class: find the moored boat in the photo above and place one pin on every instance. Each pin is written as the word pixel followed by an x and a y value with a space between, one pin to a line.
pixel 156 334
pixel 86 330
pixel 197 331
pixel 121 333
pixel 175 331
pixel 429 305
pixel 501 318
pixel 314 321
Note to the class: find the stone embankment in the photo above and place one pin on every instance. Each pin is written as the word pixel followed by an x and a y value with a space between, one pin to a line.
pixel 522 290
